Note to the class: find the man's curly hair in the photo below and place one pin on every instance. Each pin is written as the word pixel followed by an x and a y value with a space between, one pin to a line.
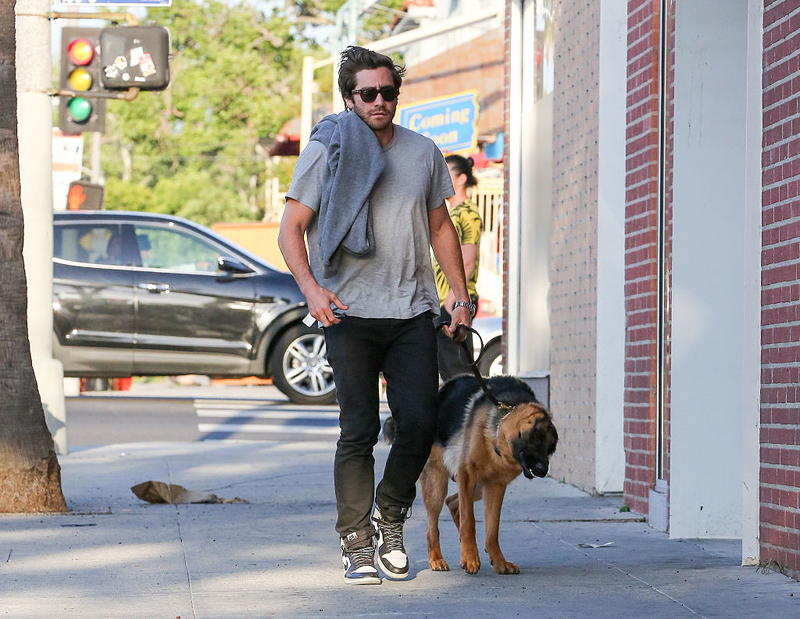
pixel 355 59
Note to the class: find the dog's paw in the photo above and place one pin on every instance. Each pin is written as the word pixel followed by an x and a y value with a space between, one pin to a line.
pixel 439 565
pixel 505 567
pixel 471 565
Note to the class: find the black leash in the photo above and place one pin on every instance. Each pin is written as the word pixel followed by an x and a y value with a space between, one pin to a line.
pixel 505 408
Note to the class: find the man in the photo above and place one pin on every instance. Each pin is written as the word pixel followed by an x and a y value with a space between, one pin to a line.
pixel 370 195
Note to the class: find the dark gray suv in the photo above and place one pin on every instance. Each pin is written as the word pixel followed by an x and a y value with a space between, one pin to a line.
pixel 147 294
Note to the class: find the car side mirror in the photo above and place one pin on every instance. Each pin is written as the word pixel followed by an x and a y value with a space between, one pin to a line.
pixel 232 265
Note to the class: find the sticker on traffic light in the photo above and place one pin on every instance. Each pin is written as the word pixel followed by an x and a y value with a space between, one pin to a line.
pixel 83 196
pixel 80 73
pixel 135 56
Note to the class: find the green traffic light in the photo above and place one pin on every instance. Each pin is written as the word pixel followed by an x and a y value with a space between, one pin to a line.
pixel 80 109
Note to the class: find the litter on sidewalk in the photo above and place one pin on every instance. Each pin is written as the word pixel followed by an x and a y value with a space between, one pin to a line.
pixel 160 492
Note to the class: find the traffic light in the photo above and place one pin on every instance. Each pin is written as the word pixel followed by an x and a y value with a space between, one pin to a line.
pixel 135 56
pixel 80 73
pixel 83 196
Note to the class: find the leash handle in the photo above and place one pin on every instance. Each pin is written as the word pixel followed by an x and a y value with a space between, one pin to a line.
pixel 463 343
pixel 474 366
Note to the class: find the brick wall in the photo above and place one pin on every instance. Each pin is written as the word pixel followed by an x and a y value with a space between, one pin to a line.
pixel 573 263
pixel 780 288
pixel 476 65
pixel 641 246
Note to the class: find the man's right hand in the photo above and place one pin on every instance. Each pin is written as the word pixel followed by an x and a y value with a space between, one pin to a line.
pixel 294 223
pixel 319 301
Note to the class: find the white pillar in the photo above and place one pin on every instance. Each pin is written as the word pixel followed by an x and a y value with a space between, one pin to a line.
pixel 610 351
pixel 34 127
pixel 751 385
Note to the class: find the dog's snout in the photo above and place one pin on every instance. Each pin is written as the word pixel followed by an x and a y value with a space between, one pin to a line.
pixel 540 469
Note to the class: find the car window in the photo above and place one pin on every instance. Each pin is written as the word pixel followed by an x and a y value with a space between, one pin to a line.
pixel 100 244
pixel 175 250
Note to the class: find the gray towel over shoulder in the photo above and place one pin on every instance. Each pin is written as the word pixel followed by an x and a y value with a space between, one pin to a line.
pixel 355 162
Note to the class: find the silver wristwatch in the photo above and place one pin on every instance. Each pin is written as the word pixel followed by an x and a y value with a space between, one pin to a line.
pixel 470 306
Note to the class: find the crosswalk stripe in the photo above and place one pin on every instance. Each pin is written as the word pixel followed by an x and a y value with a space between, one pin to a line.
pixel 263 428
pixel 257 413
pixel 265 406
pixel 236 417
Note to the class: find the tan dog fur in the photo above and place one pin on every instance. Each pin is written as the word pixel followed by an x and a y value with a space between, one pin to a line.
pixel 480 459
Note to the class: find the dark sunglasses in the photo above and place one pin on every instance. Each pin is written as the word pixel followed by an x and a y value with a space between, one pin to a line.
pixel 368 95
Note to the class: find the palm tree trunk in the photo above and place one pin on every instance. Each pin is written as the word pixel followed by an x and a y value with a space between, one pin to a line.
pixel 30 476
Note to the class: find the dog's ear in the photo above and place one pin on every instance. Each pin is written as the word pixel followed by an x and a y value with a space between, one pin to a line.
pixel 552 437
pixel 546 432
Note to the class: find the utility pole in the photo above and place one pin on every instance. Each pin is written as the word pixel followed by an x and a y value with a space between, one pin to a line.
pixel 35 130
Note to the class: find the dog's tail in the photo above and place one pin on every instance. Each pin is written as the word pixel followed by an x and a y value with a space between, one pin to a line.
pixel 389 430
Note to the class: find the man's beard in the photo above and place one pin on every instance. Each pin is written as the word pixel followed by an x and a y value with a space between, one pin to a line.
pixel 376 124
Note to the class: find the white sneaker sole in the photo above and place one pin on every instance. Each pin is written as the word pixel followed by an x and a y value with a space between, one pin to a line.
pixel 376 580
pixel 388 573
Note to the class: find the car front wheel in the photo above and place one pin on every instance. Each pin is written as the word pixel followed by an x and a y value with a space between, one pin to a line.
pixel 300 367
pixel 491 363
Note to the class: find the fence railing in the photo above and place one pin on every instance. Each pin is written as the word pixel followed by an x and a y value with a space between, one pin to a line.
pixel 488 195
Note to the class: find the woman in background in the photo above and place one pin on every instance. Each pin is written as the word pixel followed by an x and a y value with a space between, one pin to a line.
pixel 467 221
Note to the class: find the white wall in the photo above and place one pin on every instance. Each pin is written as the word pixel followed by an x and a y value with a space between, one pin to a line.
pixel 610 372
pixel 452 9
pixel 709 271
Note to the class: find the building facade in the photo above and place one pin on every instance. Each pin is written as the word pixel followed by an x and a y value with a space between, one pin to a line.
pixel 652 241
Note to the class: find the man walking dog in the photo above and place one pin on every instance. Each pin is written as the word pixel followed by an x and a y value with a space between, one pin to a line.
pixel 370 196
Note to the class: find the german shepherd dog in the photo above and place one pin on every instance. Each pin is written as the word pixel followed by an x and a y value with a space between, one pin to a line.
pixel 483 449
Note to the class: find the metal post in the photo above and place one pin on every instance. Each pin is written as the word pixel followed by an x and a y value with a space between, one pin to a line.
pixel 306 100
pixel 94 165
pixel 35 130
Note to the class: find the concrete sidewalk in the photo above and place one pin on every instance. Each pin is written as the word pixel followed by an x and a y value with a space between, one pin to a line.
pixel 277 555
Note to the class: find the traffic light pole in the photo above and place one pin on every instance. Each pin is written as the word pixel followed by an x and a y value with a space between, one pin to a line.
pixel 34 127
pixel 126 95
pixel 130 18
pixel 95 167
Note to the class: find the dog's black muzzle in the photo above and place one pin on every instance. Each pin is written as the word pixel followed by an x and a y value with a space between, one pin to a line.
pixel 532 466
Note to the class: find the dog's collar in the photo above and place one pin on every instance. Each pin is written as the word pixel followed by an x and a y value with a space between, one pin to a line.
pixel 505 410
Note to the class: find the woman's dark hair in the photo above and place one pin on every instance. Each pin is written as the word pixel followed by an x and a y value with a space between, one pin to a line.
pixel 463 165
pixel 355 59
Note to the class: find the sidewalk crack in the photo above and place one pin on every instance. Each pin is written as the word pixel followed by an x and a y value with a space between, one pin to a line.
pixel 183 548
pixel 620 570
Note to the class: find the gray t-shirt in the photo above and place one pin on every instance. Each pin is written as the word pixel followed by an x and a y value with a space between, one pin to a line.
pixel 397 280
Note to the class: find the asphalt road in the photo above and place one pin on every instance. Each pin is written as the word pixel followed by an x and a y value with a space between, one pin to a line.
pixel 195 414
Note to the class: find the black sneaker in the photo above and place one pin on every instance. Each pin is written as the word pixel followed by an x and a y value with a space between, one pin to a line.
pixel 392 557
pixel 359 566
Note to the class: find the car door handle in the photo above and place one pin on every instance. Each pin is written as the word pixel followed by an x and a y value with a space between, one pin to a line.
pixel 154 287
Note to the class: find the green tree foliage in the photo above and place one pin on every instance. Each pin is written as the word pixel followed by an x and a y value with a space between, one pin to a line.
pixel 200 148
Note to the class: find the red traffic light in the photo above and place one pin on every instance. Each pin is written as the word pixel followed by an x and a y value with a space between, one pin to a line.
pixel 80 75
pixel 80 52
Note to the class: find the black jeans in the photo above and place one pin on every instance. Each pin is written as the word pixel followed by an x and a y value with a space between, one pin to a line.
pixel 453 360
pixel 405 351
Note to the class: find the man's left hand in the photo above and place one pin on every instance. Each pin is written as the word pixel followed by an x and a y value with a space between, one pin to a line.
pixel 459 319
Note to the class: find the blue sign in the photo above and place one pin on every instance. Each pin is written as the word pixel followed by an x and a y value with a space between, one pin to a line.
pixel 114 3
pixel 451 121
